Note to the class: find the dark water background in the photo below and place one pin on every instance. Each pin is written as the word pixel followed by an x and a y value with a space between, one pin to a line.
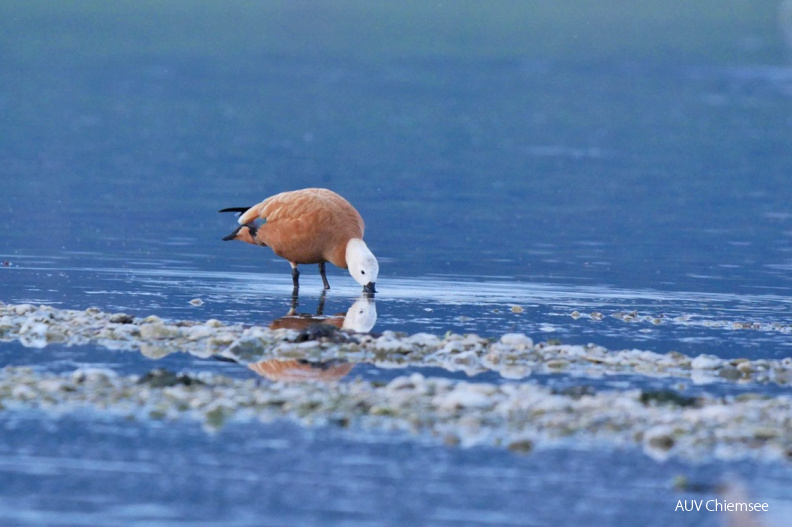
pixel 555 156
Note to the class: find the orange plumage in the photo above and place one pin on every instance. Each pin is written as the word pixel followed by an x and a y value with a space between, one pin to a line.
pixel 309 226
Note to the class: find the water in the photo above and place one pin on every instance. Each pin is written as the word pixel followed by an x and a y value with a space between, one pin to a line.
pixel 554 158
pixel 287 474
pixel 284 474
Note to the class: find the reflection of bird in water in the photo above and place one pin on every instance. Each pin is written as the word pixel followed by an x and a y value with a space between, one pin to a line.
pixel 359 318
pixel 300 321
pixel 362 315
pixel 298 370
pixel 310 226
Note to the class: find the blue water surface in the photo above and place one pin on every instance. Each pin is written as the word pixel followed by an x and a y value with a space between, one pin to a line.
pixel 519 167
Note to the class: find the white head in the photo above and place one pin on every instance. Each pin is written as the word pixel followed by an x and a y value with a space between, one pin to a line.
pixel 362 264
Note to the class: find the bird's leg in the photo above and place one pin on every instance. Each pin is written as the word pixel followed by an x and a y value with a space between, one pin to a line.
pixel 294 303
pixel 295 278
pixel 320 307
pixel 324 276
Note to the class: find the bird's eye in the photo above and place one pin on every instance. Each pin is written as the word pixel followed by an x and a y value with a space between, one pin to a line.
pixel 362 272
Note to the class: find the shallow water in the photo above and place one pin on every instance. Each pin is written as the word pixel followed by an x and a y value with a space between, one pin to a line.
pixel 726 324
pixel 519 170
pixel 282 473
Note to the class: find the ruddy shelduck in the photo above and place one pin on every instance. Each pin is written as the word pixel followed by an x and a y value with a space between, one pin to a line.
pixel 310 226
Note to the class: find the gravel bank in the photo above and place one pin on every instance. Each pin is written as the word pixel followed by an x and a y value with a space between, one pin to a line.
pixel 518 416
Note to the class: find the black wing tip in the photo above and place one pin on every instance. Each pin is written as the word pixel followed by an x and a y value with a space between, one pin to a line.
pixel 234 209
pixel 233 235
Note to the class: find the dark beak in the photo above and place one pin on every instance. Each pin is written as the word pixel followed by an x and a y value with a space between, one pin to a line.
pixel 369 288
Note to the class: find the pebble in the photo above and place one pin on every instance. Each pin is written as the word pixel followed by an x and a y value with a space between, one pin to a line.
pixel 92 375
pixel 706 362
pixel 156 330
pixel 461 398
pixel 121 318
pixel 518 341
pixel 658 440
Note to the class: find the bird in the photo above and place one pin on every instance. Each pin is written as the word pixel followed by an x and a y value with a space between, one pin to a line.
pixel 310 226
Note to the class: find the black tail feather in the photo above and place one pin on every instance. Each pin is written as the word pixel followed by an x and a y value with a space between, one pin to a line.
pixel 235 209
